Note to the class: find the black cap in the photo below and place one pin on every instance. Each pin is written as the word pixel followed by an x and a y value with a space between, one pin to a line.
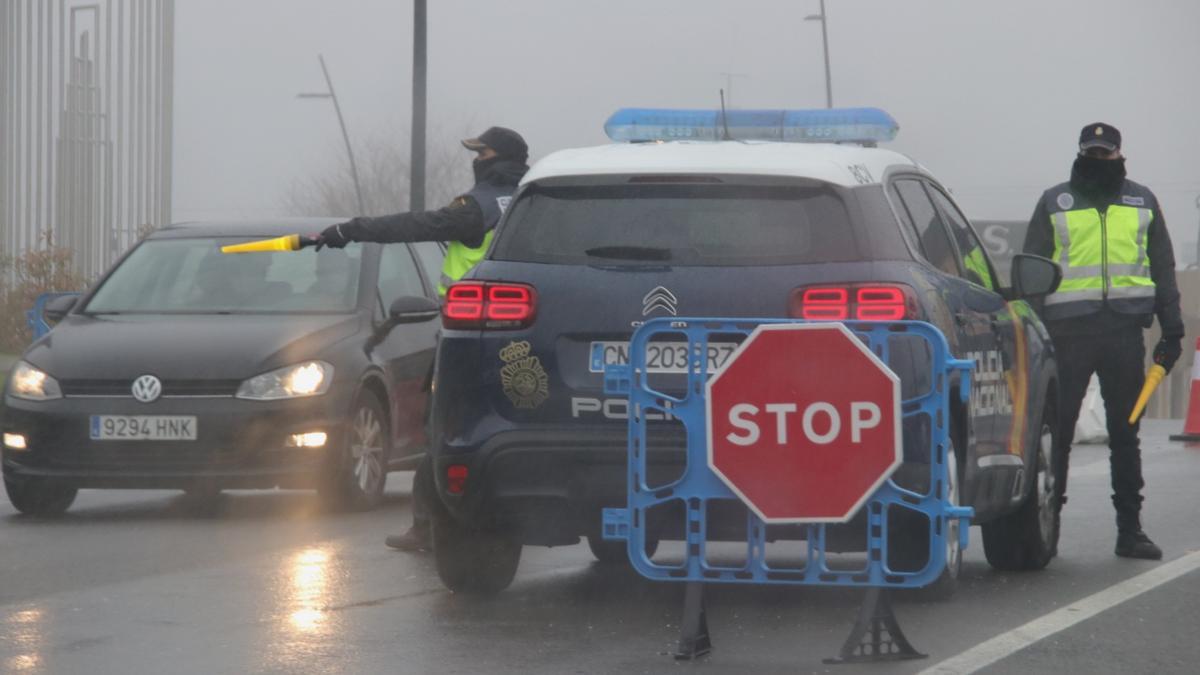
pixel 1100 135
pixel 506 142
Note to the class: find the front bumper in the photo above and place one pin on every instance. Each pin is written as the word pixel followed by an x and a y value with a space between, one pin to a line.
pixel 239 444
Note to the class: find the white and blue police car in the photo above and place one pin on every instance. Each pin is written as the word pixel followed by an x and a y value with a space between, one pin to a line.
pixel 770 213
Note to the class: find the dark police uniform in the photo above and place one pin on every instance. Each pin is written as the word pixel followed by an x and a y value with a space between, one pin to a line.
pixel 1118 274
pixel 467 225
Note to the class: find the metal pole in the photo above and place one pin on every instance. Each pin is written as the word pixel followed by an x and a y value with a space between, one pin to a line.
pixel 168 112
pixel 362 209
pixel 825 43
pixel 416 189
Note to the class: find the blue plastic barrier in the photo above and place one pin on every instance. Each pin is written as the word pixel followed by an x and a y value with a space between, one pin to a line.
pixel 34 317
pixel 698 485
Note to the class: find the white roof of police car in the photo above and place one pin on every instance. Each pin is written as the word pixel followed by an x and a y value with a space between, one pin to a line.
pixel 818 161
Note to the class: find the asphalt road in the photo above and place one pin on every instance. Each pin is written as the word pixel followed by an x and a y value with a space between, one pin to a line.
pixel 137 582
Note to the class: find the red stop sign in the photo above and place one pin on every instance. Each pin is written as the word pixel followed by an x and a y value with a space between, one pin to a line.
pixel 804 423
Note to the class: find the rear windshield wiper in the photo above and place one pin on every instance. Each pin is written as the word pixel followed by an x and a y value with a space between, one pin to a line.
pixel 629 252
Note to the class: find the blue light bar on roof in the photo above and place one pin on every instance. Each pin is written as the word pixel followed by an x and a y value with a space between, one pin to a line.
pixel 832 125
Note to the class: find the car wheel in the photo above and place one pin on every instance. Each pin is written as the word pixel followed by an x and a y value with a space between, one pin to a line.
pixel 947 582
pixel 474 561
pixel 359 472
pixel 908 542
pixel 613 552
pixel 39 496
pixel 1027 538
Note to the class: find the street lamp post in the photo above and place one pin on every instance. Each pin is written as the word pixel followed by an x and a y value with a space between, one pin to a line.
pixel 416 190
pixel 824 19
pixel 330 94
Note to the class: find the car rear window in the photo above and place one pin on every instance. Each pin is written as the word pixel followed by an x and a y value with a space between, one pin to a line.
pixel 715 224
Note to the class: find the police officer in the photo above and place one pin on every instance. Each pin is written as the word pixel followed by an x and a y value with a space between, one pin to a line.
pixel 467 223
pixel 1108 235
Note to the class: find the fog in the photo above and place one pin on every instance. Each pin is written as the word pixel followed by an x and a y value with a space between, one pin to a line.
pixel 990 97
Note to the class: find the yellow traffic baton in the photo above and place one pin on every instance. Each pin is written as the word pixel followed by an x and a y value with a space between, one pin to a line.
pixel 1154 376
pixel 291 242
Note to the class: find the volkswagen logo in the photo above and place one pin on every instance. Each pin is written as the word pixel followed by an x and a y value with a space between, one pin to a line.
pixel 147 388
pixel 659 298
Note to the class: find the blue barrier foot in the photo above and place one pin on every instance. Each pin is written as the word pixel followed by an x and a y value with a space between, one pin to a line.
pixel 694 641
pixel 876 635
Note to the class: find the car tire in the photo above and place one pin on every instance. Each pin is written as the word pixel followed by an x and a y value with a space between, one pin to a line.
pixel 909 552
pixel 615 552
pixel 36 496
pixel 1027 539
pixel 473 561
pixel 358 472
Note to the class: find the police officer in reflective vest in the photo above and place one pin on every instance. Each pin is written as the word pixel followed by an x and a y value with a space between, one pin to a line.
pixel 467 224
pixel 1108 235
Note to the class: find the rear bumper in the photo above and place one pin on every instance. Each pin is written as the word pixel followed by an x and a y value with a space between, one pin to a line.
pixel 550 487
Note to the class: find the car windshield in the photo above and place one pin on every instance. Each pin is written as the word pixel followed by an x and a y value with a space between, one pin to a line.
pixel 685 224
pixel 192 276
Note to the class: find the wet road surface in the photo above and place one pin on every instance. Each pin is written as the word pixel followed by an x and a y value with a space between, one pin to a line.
pixel 269 582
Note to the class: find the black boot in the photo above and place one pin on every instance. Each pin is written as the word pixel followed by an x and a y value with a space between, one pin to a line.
pixel 415 540
pixel 1135 544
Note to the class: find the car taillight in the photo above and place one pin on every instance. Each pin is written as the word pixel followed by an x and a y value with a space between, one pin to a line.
pixel 857 302
pixel 456 479
pixel 830 304
pixel 488 305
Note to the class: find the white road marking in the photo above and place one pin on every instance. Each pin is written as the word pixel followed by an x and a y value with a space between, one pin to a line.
pixel 986 653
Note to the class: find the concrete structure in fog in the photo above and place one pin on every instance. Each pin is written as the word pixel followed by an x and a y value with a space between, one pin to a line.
pixel 86 89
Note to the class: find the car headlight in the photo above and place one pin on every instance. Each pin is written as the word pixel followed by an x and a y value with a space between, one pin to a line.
pixel 305 379
pixel 32 384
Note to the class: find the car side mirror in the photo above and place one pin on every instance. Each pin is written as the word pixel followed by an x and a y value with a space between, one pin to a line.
pixel 56 308
pixel 413 309
pixel 1034 276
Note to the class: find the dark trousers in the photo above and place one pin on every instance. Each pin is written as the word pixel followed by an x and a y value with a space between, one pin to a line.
pixel 422 493
pixel 1118 360
pixel 423 489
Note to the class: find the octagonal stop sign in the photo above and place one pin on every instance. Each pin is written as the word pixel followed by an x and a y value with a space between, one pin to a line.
pixel 804 423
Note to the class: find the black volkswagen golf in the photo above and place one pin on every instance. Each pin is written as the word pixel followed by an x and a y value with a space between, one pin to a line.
pixel 186 368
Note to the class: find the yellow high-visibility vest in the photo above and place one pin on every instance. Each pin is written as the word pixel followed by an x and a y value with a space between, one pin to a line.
pixel 1103 258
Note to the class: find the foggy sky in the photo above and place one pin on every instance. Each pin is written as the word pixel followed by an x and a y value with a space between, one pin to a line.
pixel 990 96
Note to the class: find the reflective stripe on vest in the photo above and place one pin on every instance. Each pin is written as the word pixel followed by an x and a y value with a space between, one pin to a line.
pixel 1102 257
pixel 975 262
pixel 460 258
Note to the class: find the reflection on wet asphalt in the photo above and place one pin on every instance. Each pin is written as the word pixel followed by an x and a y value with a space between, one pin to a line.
pixel 268 582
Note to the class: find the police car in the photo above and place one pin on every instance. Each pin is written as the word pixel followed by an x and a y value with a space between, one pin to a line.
pixel 745 214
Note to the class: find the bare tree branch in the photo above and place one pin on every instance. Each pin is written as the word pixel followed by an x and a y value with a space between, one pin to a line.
pixel 384 173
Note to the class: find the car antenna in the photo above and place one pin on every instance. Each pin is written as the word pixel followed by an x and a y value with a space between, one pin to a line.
pixel 724 118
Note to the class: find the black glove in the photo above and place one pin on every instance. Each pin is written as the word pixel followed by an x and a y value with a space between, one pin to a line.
pixel 335 236
pixel 1167 351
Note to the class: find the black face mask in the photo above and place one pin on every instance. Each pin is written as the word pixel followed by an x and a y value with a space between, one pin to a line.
pixel 481 166
pixel 1098 176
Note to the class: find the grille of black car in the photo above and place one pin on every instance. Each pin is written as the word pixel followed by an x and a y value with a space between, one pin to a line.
pixel 130 456
pixel 170 387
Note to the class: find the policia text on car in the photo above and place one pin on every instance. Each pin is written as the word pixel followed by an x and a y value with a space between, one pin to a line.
pixel 1109 236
